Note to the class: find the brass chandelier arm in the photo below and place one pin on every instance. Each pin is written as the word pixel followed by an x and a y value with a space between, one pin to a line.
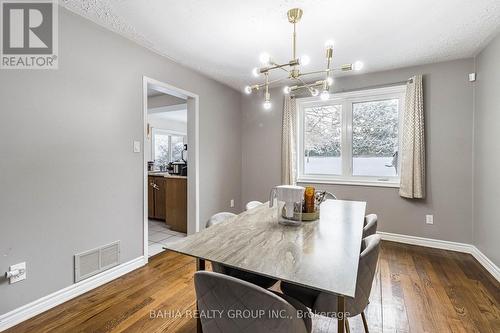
pixel 291 63
pixel 277 80
pixel 316 72
pixel 308 86
pixel 305 85
pixel 293 69
pixel 258 86
pixel 344 68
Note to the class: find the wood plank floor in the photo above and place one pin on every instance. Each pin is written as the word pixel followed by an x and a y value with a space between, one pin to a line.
pixel 415 290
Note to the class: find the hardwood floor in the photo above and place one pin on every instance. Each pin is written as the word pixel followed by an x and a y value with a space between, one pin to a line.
pixel 415 290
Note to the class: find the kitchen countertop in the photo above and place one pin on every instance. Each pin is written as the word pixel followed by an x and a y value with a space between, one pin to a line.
pixel 164 174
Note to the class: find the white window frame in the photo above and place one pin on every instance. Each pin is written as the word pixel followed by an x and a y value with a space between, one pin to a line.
pixel 161 131
pixel 346 100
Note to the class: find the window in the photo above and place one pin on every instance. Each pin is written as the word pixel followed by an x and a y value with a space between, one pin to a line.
pixel 352 138
pixel 167 145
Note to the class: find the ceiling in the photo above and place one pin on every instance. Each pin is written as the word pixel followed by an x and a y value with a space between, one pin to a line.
pixel 154 93
pixel 223 38
pixel 179 116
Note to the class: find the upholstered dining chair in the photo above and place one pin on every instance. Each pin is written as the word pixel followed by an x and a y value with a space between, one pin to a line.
pixel 370 226
pixel 221 295
pixel 252 204
pixel 218 218
pixel 259 280
pixel 321 302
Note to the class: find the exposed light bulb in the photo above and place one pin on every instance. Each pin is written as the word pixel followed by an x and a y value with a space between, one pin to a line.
pixel 325 95
pixel 329 80
pixel 314 92
pixel 304 60
pixel 255 72
pixel 267 105
pixel 358 65
pixel 329 44
pixel 287 90
pixel 248 90
pixel 265 58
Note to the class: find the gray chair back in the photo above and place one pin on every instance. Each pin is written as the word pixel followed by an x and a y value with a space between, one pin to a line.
pixel 370 227
pixel 222 295
pixel 366 272
pixel 252 204
pixel 218 218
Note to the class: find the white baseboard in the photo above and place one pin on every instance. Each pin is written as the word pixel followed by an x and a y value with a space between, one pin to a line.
pixel 445 245
pixel 34 308
pixel 45 303
pixel 486 263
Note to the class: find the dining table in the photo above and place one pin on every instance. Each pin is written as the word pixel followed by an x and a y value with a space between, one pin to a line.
pixel 322 255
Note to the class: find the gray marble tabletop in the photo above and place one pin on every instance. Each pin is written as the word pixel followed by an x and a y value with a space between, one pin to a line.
pixel 322 254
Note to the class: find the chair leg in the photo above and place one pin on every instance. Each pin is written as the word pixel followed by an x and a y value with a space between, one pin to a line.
pixel 347 329
pixel 365 323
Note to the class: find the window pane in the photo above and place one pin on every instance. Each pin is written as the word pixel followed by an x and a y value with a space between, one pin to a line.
pixel 322 140
pixel 375 138
pixel 177 147
pixel 161 148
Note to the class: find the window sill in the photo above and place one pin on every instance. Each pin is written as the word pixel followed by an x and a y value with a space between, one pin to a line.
pixel 355 182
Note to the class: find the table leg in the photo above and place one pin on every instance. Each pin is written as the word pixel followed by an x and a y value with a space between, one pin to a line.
pixel 340 314
pixel 200 266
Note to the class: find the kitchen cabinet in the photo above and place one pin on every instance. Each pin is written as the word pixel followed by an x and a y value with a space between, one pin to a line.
pixel 167 201
pixel 160 198
pixel 176 208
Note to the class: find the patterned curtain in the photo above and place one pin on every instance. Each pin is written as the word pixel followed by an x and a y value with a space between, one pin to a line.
pixel 288 141
pixel 413 142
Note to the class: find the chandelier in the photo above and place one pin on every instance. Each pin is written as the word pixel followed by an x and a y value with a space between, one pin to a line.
pixel 292 68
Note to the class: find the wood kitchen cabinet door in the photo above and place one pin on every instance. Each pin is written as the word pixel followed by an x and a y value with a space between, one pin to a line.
pixel 160 199
pixel 151 198
pixel 177 204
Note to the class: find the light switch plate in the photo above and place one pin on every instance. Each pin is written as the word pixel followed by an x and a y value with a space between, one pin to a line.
pixel 137 146
pixel 429 219
pixel 19 277
pixel 231 203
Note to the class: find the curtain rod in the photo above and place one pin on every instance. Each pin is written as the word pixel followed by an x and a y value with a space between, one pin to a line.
pixel 410 80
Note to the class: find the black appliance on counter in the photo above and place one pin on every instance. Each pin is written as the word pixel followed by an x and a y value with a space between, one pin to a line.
pixel 179 167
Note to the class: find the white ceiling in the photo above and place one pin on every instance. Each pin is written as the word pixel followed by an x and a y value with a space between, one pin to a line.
pixel 179 116
pixel 223 38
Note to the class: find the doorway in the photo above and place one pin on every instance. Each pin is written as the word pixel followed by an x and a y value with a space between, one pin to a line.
pixel 171 173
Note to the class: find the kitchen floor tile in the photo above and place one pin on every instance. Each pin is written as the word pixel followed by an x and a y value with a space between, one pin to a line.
pixel 155 249
pixel 171 239
pixel 158 236
pixel 155 228
pixel 175 233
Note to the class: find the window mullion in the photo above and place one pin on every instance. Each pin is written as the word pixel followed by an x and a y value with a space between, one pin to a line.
pixel 170 148
pixel 345 139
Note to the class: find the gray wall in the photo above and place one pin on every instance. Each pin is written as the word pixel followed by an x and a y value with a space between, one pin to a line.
pixel 69 180
pixel 449 115
pixel 486 152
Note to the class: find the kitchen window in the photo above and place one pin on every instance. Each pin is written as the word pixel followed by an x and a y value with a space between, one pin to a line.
pixel 353 138
pixel 167 145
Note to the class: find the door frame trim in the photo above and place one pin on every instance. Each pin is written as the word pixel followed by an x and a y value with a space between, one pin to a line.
pixel 193 190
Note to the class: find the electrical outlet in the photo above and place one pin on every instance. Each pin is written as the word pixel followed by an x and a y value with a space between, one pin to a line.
pixel 21 267
pixel 429 219
pixel 231 203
